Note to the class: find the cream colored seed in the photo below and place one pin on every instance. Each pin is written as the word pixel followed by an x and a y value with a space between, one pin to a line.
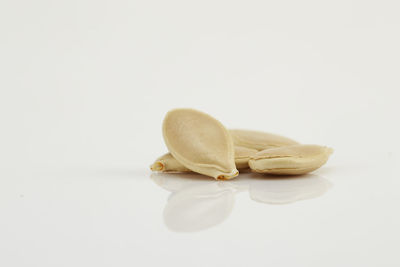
pixel 259 140
pixel 200 143
pixel 242 156
pixel 167 163
pixel 290 160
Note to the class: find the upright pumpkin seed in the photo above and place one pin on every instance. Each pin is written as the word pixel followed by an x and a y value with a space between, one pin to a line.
pixel 200 143
pixel 259 140
pixel 290 160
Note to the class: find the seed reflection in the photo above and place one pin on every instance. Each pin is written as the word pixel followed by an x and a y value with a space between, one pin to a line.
pixel 197 202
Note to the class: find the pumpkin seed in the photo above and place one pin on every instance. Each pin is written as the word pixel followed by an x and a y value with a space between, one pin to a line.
pixel 290 160
pixel 200 143
pixel 242 156
pixel 167 163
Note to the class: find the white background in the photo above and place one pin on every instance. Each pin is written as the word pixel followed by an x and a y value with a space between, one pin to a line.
pixel 84 86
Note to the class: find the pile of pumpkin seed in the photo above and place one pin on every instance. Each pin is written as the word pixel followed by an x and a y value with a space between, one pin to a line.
pixel 199 143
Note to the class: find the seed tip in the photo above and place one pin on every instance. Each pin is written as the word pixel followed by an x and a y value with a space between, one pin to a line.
pixel 228 176
pixel 157 166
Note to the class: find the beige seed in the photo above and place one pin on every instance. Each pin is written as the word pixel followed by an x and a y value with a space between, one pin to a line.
pixel 242 156
pixel 167 163
pixel 200 143
pixel 290 160
pixel 259 140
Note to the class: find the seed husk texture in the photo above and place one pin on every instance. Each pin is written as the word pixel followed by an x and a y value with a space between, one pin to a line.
pixel 200 143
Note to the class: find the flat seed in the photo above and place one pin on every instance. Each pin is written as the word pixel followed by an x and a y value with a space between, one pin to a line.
pixel 290 160
pixel 259 140
pixel 200 143
pixel 167 162
pixel 242 156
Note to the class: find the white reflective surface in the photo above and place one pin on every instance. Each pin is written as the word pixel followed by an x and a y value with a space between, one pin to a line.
pixel 340 215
